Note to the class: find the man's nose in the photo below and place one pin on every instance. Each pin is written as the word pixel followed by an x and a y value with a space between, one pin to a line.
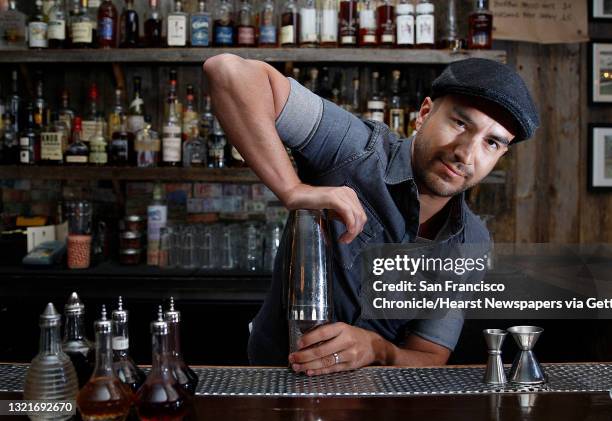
pixel 465 149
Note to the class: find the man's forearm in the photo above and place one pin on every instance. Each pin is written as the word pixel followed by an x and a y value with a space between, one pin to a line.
pixel 247 96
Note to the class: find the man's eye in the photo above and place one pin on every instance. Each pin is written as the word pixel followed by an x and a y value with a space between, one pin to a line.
pixel 492 144
pixel 459 123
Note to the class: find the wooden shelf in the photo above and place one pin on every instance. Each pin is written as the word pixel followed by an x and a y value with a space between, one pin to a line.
pixel 225 175
pixel 198 55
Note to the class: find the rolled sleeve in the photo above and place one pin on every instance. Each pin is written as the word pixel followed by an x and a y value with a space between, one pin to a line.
pixel 444 332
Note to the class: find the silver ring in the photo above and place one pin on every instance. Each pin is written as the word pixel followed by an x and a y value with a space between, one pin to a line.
pixel 336 358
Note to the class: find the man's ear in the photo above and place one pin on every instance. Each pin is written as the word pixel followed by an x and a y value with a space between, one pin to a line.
pixel 427 107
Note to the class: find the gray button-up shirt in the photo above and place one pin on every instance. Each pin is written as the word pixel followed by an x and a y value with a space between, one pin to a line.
pixel 332 147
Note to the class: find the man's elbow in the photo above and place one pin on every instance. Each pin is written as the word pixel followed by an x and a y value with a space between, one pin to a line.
pixel 223 68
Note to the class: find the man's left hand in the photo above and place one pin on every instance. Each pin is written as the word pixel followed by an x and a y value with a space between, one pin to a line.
pixel 336 347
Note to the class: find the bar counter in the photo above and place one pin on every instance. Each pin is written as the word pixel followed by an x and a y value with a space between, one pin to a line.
pixel 573 392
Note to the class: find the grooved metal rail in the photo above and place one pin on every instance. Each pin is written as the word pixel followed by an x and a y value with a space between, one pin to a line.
pixel 370 381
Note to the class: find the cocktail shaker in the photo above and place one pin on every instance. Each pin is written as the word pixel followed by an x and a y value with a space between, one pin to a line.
pixel 307 273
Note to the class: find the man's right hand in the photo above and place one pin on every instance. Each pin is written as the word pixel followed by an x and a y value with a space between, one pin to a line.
pixel 341 201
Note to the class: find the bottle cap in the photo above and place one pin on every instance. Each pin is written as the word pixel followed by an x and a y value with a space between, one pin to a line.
pixel 425 8
pixel 405 8
pixel 172 315
pixel 50 317
pixel 103 325
pixel 159 326
pixel 120 315
pixel 74 306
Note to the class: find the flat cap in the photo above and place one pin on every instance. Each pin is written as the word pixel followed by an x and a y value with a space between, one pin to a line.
pixel 494 82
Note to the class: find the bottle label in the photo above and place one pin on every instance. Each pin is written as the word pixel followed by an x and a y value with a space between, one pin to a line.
pixel 246 35
pixel 367 19
pixel 76 159
pixel 97 153
pixel 156 219
pixel 135 123
pixel 348 40
pixel 56 30
pixel 287 35
pixel 51 146
pixel 24 156
pixel 171 144
pixel 224 35
pixel 146 144
pixel 308 25
pixel 425 29
pixel 177 30
pixel 119 150
pixel 405 30
pixel 369 39
pixel 37 34
pixel 93 4
pixel 88 129
pixel 105 29
pixel 200 26
pixel 190 120
pixel 329 25
pixel 377 116
pixel 387 38
pixel 267 34
pixel 120 343
pixel 24 142
pixel 82 32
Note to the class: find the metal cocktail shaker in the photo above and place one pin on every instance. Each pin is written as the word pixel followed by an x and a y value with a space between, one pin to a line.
pixel 308 273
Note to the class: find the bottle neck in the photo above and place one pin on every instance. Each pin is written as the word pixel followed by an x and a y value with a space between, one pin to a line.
pixel 74 322
pixel 160 356
pixel 174 339
pixel 49 339
pixel 104 356
pixel 121 340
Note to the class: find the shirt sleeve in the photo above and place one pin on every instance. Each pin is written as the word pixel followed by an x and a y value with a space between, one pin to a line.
pixel 444 332
pixel 320 134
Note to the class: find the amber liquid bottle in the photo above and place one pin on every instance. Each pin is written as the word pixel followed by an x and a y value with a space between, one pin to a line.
pixel 185 376
pixel 349 28
pixel 386 24
pixel 108 18
pixel 104 397
pixel 161 397
pixel 290 25
pixel 481 27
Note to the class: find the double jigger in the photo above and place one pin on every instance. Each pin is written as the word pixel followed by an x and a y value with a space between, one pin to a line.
pixel 525 369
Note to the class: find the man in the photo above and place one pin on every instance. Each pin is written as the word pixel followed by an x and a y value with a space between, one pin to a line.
pixel 381 189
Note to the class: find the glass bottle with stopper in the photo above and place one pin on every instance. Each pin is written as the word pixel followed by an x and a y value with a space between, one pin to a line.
pixel 185 375
pixel 75 344
pixel 104 397
pixel 123 365
pixel 161 396
pixel 51 375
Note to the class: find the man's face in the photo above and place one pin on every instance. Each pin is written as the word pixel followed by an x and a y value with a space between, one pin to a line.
pixel 458 142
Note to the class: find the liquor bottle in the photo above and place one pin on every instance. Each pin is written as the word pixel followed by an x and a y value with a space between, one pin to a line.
pixel 66 113
pixel 153 26
pixel 50 374
pixel 405 24
pixel 223 28
pixel 81 26
pixel 216 146
pixel 121 148
pixel 123 365
pixel 355 104
pixel 56 25
pixel 181 371
pixel 37 28
pixel 396 120
pixel 173 95
pixel 53 141
pixel 135 117
pixel 90 120
pixel 376 104
pixel 480 27
pixel 161 397
pixel 367 24
pixel 349 25
pixel 104 396
pixel 10 141
pixel 78 151
pixel 157 216
pixel 14 24
pixel 267 24
pixel 386 23
pixel 246 24
pixel 171 137
pixel 313 82
pixel 325 87
pixel 290 24
pixel 29 140
pixel 447 26
pixel 425 24
pixel 15 103
pixel 98 153
pixel 107 25
pixel 417 100
pixel 147 146
pixel 41 109
pixel 329 23
pixel 206 119
pixel 129 28
pixel 200 24
pixel 177 26
pixel 194 150
pixel 75 344
pixel 309 25
pixel 190 115
pixel 117 111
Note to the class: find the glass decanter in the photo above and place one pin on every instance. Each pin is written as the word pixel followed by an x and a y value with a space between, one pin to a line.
pixel 125 368
pixel 183 374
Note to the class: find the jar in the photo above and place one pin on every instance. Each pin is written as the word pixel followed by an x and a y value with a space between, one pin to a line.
pixel 129 256
pixel 130 240
pixel 79 251
pixel 137 223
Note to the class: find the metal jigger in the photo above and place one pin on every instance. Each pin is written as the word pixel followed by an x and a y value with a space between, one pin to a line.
pixel 308 273
pixel 526 369
pixel 494 373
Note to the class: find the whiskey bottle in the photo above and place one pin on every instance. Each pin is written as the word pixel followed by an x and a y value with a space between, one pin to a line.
pixel 405 24
pixel 129 27
pixel 56 25
pixel 81 26
pixel 177 26
pixel 376 104
pixel 117 111
pixel 98 152
pixel 10 141
pixel 200 25
pixel 267 24
pixel 104 396
pixel 75 344
pixel 223 28
pixel 190 114
pixel 290 24
pixel 66 113
pixel 135 117
pixel 161 397
pixel 107 25
pixel 171 137
pixel 216 146
pixel 29 140
pixel 153 26
pixel 206 119
pixel 194 150
pixel 147 146
pixel 91 118
pixel 329 23
pixel 41 108
pixel 185 376
pixel 309 25
pixel 15 107
pixel 386 23
pixel 367 24
pixel 246 24
pixel 396 119
pixel 425 25
pixel 37 28
pixel 53 141
pixel 121 148
pixel 15 27
pixel 77 152
pixel 480 27
pixel 123 365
